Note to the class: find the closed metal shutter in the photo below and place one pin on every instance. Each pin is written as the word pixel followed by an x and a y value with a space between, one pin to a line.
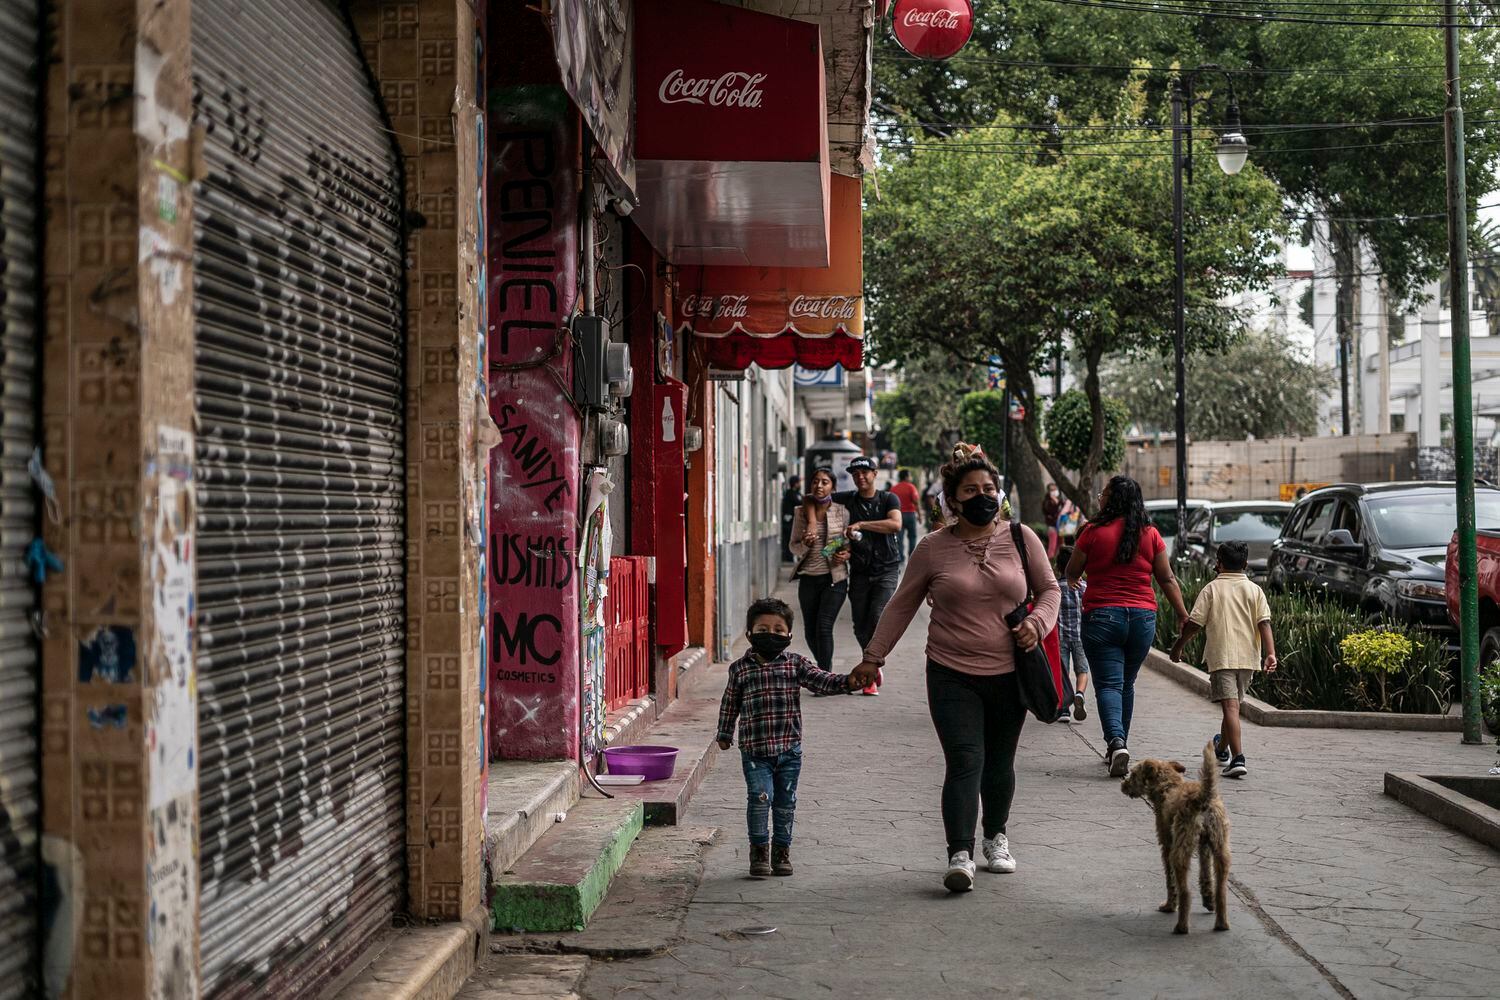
pixel 301 526
pixel 19 800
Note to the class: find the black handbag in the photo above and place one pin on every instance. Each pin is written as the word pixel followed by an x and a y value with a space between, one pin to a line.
pixel 1039 679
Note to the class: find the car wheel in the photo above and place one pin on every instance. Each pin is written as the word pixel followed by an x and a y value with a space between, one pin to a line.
pixel 1374 618
pixel 1489 647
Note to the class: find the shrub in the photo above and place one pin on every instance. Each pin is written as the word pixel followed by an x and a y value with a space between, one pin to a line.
pixel 1489 696
pixel 1318 669
pixel 1070 426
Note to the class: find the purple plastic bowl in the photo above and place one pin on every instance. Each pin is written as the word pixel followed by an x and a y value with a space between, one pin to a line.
pixel 652 763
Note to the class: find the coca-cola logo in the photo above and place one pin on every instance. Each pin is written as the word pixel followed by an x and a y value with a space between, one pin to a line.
pixel 933 29
pixel 712 307
pixel 943 18
pixel 824 307
pixel 734 89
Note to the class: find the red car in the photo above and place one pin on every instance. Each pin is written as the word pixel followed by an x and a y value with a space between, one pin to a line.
pixel 1488 543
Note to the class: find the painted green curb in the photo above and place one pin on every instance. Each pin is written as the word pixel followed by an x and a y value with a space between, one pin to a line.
pixel 565 906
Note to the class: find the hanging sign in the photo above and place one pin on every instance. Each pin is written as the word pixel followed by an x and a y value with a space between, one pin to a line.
pixel 933 29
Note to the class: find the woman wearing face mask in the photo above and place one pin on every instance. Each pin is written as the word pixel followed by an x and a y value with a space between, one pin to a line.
pixel 822 581
pixel 972 575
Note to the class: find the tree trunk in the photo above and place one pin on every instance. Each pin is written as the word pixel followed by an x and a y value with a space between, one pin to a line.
pixel 1025 472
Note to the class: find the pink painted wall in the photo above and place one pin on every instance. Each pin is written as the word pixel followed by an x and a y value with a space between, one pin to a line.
pixel 533 629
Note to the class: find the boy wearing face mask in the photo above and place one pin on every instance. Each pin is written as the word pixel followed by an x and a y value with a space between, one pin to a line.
pixel 764 695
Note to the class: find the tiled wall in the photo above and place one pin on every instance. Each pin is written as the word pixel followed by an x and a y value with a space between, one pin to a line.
pixel 423 56
pixel 119 718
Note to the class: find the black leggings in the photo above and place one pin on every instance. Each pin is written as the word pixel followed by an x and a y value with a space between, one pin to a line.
pixel 978 722
pixel 821 601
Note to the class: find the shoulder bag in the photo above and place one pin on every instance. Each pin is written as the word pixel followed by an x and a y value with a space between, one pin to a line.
pixel 1039 675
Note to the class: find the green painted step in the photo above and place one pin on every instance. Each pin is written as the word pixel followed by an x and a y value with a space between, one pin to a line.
pixel 560 882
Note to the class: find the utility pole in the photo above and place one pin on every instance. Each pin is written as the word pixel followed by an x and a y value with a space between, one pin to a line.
pixel 1005 438
pixel 1463 401
pixel 1179 291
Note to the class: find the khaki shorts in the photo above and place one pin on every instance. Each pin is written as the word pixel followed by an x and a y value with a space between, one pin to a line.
pixel 1227 685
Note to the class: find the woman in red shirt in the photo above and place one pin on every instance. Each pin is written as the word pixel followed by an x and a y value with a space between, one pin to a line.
pixel 1120 551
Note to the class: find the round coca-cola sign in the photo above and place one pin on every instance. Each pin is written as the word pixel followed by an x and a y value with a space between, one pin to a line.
pixel 933 29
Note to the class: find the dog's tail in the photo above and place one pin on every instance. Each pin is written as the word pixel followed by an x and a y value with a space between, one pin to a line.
pixel 1208 777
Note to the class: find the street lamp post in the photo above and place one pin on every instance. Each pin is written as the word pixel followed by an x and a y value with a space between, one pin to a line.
pixel 1231 151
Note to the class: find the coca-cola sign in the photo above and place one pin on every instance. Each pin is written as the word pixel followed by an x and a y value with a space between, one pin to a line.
pixel 713 307
pixel 840 307
pixel 730 90
pixel 933 29
pixel 718 83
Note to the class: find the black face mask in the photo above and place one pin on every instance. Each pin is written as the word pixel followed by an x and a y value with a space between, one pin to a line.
pixel 769 644
pixel 980 509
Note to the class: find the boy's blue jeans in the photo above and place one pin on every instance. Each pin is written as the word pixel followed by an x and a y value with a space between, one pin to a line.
pixel 1116 641
pixel 771 787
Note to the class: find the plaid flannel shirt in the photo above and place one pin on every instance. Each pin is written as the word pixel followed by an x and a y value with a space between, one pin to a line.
pixel 1070 613
pixel 766 698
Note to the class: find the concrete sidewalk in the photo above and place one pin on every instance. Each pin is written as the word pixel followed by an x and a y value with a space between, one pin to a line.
pixel 1340 891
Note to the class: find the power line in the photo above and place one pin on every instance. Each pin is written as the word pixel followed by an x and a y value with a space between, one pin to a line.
pixel 1400 69
pixel 1277 14
pixel 1112 147
pixel 1267 128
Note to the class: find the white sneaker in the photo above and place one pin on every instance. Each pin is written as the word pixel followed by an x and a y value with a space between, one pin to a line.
pixel 997 853
pixel 960 875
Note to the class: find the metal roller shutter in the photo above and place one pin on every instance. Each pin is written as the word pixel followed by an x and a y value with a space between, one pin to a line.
pixel 19 797
pixel 301 526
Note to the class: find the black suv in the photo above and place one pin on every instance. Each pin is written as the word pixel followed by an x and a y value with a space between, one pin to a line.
pixel 1378 548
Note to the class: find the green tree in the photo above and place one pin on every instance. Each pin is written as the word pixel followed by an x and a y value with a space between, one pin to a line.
pixel 989 256
pixel 1070 431
pixel 1256 387
pixel 921 414
pixel 983 421
pixel 1379 184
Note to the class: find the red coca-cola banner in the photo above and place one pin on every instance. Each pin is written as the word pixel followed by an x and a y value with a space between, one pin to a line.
pixel 933 29
pixel 715 82
pixel 777 316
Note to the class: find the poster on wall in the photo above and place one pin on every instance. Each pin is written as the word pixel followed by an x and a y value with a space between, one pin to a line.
pixel 533 637
pixel 594 40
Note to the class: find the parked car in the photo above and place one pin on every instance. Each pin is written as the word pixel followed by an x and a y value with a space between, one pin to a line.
pixel 1487 541
pixel 1378 548
pixel 1163 514
pixel 1257 523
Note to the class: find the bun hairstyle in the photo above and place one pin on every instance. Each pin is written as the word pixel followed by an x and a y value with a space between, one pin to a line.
pixel 967 458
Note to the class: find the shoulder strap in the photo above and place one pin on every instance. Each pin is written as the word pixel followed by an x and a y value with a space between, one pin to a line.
pixel 1020 544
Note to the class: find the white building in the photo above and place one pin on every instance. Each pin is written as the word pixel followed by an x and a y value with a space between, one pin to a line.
pixel 1400 365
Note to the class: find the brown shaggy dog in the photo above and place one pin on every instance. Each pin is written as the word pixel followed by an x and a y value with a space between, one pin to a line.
pixel 1189 816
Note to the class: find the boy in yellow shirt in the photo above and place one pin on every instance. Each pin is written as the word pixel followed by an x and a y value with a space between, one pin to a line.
pixel 1234 614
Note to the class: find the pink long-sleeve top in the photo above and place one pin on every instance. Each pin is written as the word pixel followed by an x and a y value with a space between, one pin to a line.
pixel 973 583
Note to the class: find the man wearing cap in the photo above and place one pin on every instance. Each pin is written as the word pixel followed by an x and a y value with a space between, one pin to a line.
pixel 875 549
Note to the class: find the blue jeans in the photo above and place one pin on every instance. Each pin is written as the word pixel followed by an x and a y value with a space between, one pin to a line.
pixel 1116 641
pixel 771 787
pixel 908 534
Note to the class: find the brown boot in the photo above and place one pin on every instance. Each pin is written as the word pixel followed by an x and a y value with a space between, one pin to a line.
pixel 781 860
pixel 760 860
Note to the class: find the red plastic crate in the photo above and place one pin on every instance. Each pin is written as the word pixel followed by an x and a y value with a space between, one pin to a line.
pixel 627 635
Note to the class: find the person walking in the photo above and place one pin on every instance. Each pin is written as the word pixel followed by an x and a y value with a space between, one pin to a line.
pixel 1120 551
pixel 875 553
pixel 972 574
pixel 911 506
pixel 791 499
pixel 822 570
pixel 1051 507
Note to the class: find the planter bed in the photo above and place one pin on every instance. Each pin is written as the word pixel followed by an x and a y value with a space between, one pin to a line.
pixel 1256 711
pixel 1466 803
